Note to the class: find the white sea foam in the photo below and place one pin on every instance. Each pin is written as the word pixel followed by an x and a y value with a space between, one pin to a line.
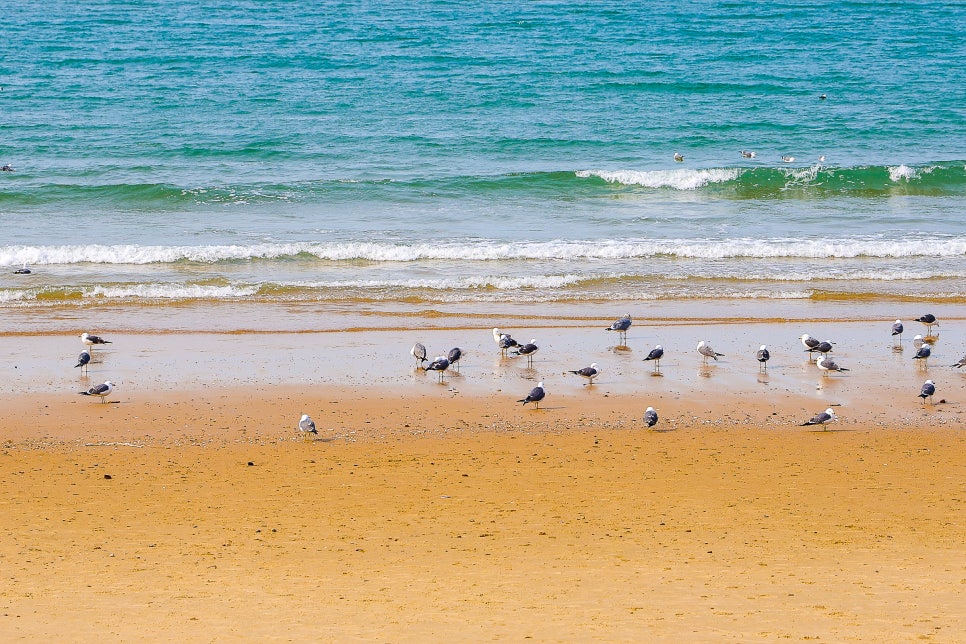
pixel 902 172
pixel 679 179
pixel 486 250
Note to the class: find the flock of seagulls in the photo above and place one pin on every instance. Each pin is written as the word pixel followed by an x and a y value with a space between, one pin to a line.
pixel 813 347
pixel 104 389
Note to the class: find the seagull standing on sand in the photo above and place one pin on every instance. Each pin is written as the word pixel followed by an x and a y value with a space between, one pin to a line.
pixel 822 418
pixel 897 329
pixel 91 340
pixel 762 356
pixel 440 364
pixel 656 354
pixel 810 343
pixel 650 417
pixel 83 360
pixel 306 426
pixel 822 347
pixel 828 365
pixel 918 341
pixel 589 373
pixel 103 390
pixel 621 326
pixel 928 389
pixel 707 352
pixel 454 356
pixel 961 363
pixel 922 353
pixel 535 396
pixel 929 320
pixel 528 350
pixel 419 352
pixel 503 340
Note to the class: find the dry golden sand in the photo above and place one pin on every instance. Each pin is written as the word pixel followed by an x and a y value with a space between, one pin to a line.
pixel 429 514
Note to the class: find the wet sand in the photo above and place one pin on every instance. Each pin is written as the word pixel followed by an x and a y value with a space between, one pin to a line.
pixel 188 508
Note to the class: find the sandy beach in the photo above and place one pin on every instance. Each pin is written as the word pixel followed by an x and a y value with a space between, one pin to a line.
pixel 188 508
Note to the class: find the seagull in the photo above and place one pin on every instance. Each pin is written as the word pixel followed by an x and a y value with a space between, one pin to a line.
pixel 103 390
pixel 897 329
pixel 82 361
pixel 503 340
pixel 454 356
pixel 787 158
pixel 23 270
pixel 621 326
pixel 419 352
pixel 821 158
pixel 826 364
pixel 763 357
pixel 929 320
pixel 961 363
pixel 589 373
pixel 822 347
pixel 306 426
pixel 527 350
pixel 91 340
pixel 918 341
pixel 922 353
pixel 705 350
pixel 7 168
pixel 748 154
pixel 822 97
pixel 678 157
pixel 826 416
pixel 650 417
pixel 535 396
pixel 656 354
pixel 928 389
pixel 810 342
pixel 440 364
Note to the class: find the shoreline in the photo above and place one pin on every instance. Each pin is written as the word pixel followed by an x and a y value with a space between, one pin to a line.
pixel 189 508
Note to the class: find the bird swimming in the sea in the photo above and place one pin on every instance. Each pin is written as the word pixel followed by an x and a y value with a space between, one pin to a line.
pixel 762 356
pixel 827 365
pixel 821 158
pixel 707 352
pixel 748 154
pixel 83 360
pixel 822 418
pixel 678 157
pixel 103 390
pixel 419 352
pixel 23 270
pixel 7 168
pixel 787 158
pixel 306 427
pixel 589 373
pixel 822 97
pixel 650 417
pixel 535 396
pixel 928 389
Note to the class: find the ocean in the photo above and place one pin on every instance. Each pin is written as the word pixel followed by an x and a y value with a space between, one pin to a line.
pixel 429 154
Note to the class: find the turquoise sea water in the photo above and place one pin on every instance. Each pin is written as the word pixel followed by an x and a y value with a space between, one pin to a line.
pixel 476 152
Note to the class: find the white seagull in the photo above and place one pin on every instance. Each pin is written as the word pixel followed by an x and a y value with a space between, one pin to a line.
pixel 826 364
pixel 787 158
pixel 589 373
pixel 503 340
pixel 419 352
pixel 83 360
pixel 91 340
pixel 928 389
pixel 678 157
pixel 440 364
pixel 650 417
pixel 763 356
pixel 748 154
pixel 306 426
pixel 103 390
pixel 822 418
pixel 535 396
pixel 707 352
pixel 897 329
